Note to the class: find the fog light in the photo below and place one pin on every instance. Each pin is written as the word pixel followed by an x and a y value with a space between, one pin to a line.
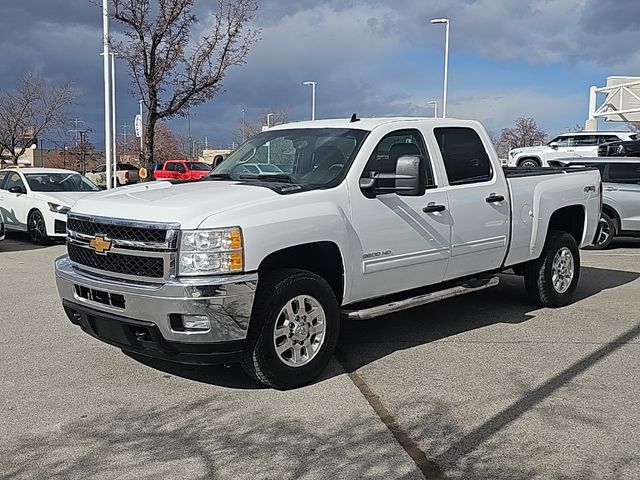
pixel 196 322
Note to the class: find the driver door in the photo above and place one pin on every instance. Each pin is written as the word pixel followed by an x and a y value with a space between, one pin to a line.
pixel 14 205
pixel 405 239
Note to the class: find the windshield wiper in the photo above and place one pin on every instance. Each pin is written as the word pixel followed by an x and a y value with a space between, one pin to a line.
pixel 219 176
pixel 270 177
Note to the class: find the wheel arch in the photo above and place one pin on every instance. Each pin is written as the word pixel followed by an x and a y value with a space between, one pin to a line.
pixel 322 258
pixel 613 213
pixel 570 219
pixel 529 157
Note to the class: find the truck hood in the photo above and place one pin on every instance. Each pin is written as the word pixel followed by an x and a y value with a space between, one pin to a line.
pixel 188 204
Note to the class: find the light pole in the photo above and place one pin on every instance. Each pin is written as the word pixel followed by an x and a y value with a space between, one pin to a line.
pixel 446 61
pixel 313 98
pixel 243 126
pixel 435 107
pixel 141 135
pixel 107 90
pixel 269 115
pixel 113 121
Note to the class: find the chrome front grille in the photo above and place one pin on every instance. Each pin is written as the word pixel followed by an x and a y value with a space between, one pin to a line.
pixel 127 249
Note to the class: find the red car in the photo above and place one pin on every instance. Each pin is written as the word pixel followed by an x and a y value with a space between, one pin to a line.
pixel 182 170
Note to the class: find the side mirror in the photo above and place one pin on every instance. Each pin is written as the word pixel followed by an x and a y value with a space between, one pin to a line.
pixel 553 145
pixel 17 189
pixel 411 177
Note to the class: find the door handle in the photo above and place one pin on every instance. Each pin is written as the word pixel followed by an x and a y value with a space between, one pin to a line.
pixel 432 208
pixel 610 189
pixel 493 198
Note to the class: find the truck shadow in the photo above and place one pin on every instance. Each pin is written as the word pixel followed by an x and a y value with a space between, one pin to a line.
pixel 365 342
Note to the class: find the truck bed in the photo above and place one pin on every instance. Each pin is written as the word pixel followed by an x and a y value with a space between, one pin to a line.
pixel 518 172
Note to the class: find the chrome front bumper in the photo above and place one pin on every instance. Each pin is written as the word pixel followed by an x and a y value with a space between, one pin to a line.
pixel 225 300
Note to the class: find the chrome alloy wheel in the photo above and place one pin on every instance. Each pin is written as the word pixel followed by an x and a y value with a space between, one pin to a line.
pixel 562 270
pixel 605 233
pixel 299 331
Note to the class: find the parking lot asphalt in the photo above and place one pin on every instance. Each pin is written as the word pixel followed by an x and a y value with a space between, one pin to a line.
pixel 478 387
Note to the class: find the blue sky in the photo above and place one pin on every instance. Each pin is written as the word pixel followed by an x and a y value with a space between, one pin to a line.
pixel 508 59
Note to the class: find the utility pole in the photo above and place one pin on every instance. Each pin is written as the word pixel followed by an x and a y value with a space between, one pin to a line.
pixel 125 148
pixel 113 120
pixel 243 125
pixel 75 131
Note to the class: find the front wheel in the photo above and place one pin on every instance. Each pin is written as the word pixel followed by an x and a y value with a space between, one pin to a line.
pixel 551 279
pixel 37 229
pixel 293 330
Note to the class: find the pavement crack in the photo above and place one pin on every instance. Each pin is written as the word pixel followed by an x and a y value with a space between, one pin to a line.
pixel 429 468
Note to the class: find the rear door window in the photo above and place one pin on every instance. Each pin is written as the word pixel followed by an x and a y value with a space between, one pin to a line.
pixel 465 158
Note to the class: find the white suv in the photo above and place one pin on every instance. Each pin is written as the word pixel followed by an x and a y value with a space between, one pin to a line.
pixel 567 145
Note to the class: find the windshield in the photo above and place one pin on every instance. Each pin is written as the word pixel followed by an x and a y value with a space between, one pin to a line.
pixel 60 182
pixel 198 166
pixel 314 157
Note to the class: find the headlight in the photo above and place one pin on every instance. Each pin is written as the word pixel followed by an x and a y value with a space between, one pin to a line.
pixel 210 252
pixel 54 207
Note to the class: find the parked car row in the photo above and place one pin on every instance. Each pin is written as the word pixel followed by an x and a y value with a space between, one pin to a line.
pixel 567 145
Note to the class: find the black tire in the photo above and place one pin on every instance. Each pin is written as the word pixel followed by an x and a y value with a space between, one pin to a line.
pixel 538 276
pixel 528 163
pixel 607 233
pixel 275 290
pixel 37 229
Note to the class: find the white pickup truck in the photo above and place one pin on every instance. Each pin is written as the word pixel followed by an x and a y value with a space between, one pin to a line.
pixel 364 218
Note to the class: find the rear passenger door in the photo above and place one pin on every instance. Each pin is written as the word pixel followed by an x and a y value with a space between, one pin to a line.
pixel 478 203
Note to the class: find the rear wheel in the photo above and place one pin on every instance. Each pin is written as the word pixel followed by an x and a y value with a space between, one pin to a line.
pixel 552 279
pixel 293 330
pixel 37 229
pixel 608 230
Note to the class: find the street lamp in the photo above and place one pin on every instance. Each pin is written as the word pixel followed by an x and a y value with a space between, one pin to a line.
pixel 435 107
pixel 446 61
pixel 313 98
pixel 243 125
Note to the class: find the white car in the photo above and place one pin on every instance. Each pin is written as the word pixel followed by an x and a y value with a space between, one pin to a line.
pixel 36 200
pixel 567 145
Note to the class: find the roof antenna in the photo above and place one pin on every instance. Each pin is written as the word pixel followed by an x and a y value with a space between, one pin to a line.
pixel 354 118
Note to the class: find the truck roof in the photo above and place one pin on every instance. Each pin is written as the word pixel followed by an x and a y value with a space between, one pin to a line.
pixel 373 123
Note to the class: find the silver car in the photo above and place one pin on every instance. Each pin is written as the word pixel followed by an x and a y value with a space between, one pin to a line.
pixel 621 196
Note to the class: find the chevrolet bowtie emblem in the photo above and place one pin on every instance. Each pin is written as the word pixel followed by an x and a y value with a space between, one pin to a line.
pixel 100 245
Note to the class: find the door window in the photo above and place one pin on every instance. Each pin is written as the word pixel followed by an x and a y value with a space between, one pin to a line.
pixel 465 158
pixel 623 173
pixel 14 180
pixel 3 175
pixel 386 154
pixel 586 141
pixel 170 167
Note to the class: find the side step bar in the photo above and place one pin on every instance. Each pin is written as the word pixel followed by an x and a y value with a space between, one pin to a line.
pixel 399 305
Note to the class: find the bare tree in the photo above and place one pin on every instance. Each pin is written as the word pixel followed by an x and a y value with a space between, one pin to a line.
pixel 172 67
pixel 633 126
pixel 166 145
pixel 253 127
pixel 29 111
pixel 525 133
